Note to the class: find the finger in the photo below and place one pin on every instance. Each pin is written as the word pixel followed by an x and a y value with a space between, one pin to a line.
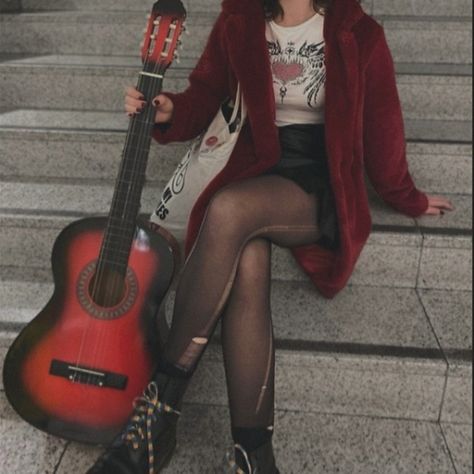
pixel 132 92
pixel 441 201
pixel 433 211
pixel 161 100
pixel 136 107
pixel 134 102
pixel 443 205
pixel 132 109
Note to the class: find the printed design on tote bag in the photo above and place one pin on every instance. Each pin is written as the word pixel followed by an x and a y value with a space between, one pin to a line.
pixel 293 66
pixel 175 186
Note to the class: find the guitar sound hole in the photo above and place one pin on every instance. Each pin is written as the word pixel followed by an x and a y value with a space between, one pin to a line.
pixel 109 296
pixel 108 289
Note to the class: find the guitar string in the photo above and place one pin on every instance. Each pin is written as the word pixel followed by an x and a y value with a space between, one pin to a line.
pixel 109 250
pixel 132 192
pixel 99 270
pixel 135 185
pixel 152 88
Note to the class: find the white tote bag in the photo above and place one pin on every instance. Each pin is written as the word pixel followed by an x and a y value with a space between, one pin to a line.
pixel 206 157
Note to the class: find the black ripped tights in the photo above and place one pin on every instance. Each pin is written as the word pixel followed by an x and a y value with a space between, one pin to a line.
pixel 227 274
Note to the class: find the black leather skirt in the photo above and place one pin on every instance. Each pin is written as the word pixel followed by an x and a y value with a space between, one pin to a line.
pixel 304 160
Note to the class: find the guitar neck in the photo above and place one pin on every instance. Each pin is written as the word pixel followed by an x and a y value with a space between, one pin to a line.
pixel 131 179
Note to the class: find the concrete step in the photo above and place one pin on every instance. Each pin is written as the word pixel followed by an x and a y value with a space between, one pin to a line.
pixel 98 82
pixel 372 351
pixel 428 252
pixel 377 7
pixel 322 443
pixel 411 38
pixel 82 145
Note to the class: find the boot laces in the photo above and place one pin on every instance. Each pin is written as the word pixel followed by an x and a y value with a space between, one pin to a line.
pixel 139 429
pixel 232 466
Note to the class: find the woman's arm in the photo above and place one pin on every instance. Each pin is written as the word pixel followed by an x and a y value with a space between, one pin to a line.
pixel 384 138
pixel 195 107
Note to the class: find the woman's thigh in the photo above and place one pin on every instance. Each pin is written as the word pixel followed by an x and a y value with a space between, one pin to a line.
pixel 269 206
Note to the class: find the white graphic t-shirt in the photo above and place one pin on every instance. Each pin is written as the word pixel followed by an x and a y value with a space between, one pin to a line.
pixel 297 60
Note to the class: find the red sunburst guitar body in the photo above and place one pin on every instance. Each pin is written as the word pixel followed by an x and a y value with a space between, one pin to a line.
pixel 75 370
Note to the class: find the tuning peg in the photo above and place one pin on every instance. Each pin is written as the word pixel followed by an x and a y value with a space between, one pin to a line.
pixel 156 22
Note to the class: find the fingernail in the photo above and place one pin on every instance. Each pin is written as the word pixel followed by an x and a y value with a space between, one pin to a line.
pixel 156 102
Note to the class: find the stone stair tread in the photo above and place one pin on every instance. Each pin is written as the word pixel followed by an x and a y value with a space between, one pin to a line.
pixel 38 202
pixel 111 16
pixel 383 323
pixel 50 32
pixel 93 16
pixel 417 22
pixel 421 7
pixel 102 121
pixel 78 61
pixel 322 443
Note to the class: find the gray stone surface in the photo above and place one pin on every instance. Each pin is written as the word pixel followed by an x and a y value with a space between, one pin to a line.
pixel 452 131
pixel 423 7
pixel 435 97
pixel 372 316
pixel 389 257
pixel 119 33
pixel 415 40
pixel 322 443
pixel 64 152
pixel 457 405
pixel 444 168
pixel 25 449
pixel 83 32
pixel 459 440
pixel 450 313
pixel 82 83
pixel 337 379
pixel 445 268
pixel 10 5
pixel 387 266
pixel 65 85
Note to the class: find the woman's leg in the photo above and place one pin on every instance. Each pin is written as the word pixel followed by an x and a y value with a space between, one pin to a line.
pixel 248 349
pixel 268 206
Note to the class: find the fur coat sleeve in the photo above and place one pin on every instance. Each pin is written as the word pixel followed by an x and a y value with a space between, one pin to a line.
pixel 195 107
pixel 384 138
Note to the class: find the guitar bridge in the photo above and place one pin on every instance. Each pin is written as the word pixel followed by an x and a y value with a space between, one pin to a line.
pixel 87 375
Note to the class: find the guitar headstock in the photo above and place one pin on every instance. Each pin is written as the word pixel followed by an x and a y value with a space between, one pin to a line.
pixel 165 25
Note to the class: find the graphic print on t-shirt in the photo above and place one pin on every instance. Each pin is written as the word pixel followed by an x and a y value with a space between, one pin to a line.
pixel 293 66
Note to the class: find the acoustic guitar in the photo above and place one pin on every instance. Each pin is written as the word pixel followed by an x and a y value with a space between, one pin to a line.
pixel 76 368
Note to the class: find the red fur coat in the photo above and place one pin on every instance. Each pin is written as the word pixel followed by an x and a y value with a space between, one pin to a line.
pixel 363 124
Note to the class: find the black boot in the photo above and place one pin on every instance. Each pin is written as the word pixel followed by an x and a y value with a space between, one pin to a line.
pixel 147 443
pixel 259 461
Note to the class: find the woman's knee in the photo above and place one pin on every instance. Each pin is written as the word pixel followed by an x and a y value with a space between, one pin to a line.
pixel 255 259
